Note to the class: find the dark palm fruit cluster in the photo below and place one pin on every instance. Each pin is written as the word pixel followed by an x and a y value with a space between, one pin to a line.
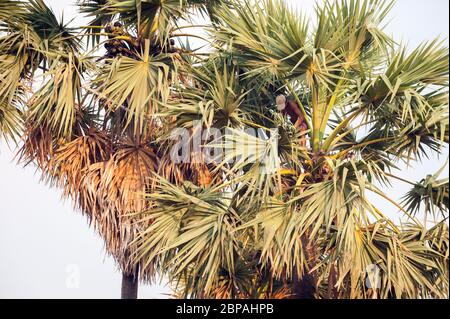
pixel 119 46
pixel 121 43
pixel 156 48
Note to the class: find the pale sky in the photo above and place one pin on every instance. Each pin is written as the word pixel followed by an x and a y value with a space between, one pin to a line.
pixel 47 249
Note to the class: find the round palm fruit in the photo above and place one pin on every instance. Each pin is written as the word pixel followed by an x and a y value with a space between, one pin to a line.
pixel 136 43
pixel 108 29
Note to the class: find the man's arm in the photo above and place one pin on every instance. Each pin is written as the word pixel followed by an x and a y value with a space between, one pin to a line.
pixel 295 108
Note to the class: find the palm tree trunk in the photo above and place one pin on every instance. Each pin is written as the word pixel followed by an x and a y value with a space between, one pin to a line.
pixel 303 288
pixel 130 285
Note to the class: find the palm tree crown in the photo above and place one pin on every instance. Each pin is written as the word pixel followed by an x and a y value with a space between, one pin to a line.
pixel 337 106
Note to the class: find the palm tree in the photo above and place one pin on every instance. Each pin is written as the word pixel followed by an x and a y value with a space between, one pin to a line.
pixel 361 105
pixel 87 127
pixel 285 213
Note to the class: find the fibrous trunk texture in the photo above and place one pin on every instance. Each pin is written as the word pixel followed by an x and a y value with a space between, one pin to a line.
pixel 130 285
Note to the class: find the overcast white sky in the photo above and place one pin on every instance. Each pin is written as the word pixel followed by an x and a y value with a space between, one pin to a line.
pixel 48 251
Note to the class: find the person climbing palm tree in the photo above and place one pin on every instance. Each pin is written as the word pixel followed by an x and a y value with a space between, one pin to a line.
pixel 291 110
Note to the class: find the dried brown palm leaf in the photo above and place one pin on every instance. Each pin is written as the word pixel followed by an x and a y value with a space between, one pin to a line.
pixel 114 189
pixel 72 159
pixel 38 147
pixel 194 167
pixel 199 173
pixel 41 142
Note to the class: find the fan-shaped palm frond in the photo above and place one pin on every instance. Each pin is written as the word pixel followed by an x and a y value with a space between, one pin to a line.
pixel 11 8
pixel 44 22
pixel 134 86
pixel 406 262
pixel 431 192
pixel 191 226
pixel 409 99
pixel 145 19
pixel 10 121
pixel 263 42
pixel 19 59
pixel 283 250
pixel 52 34
pixel 216 99
pixel 57 101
